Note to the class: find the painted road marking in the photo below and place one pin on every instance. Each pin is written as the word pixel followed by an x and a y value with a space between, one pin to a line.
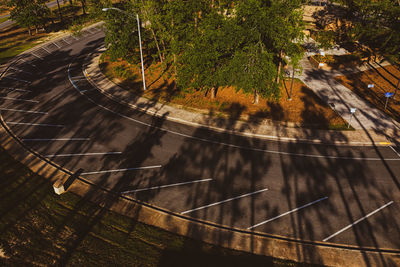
pixel 16 79
pixel 224 201
pixel 166 186
pixel 66 41
pixel 83 154
pixel 45 49
pixel 26 111
pixel 15 89
pixel 394 150
pixel 34 124
pixel 123 170
pixel 54 139
pixel 18 99
pixel 286 213
pixel 56 45
pixel 29 63
pixel 222 143
pixel 359 220
pixel 73 36
pixel 36 56
pixel 12 68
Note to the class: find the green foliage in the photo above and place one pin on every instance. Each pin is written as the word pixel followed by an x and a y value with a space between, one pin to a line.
pixel 124 72
pixel 376 24
pixel 29 13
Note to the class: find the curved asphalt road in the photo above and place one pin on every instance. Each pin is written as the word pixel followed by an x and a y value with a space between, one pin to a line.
pixel 340 194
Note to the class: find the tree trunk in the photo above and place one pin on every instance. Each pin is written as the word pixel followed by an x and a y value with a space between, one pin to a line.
pixel 70 2
pixel 291 86
pixel 59 11
pixel 256 97
pixel 83 6
pixel 213 93
pixel 279 66
pixel 29 31
pixel 157 45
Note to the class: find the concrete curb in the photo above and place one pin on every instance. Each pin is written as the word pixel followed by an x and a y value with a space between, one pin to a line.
pixel 264 130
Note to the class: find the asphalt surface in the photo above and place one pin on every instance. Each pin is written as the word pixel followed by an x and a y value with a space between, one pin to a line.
pixel 339 194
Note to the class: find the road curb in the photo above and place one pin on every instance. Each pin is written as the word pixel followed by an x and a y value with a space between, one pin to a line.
pixel 344 138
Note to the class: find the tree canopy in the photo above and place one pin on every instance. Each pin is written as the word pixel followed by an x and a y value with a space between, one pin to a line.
pixel 215 43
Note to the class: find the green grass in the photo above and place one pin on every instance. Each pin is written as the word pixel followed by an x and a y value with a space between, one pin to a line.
pixel 4 19
pixel 38 227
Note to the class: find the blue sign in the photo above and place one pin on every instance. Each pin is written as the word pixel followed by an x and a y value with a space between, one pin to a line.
pixel 389 94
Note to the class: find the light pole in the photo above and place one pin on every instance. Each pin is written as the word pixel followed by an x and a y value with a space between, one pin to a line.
pixel 140 39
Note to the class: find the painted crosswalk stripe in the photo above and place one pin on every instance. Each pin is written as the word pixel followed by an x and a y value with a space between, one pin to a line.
pixel 16 89
pixel 83 154
pixel 45 49
pixel 18 99
pixel 34 124
pixel 166 186
pixel 286 213
pixel 66 41
pixel 359 220
pixel 24 111
pixel 123 170
pixel 33 54
pixel 54 139
pixel 12 68
pixel 394 150
pixel 224 201
pixel 56 45
pixel 17 79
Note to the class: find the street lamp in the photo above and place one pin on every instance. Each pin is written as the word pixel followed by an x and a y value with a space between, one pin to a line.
pixel 140 39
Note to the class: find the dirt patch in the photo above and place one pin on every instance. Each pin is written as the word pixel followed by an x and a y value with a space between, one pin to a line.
pixel 305 108
pixel 384 79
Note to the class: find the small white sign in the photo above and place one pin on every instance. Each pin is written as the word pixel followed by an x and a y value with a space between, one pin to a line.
pixel 322 53
pixel 353 110
pixel 321 65
pixel 371 85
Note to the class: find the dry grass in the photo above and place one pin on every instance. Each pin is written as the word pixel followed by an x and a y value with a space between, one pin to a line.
pixel 385 79
pixel 305 108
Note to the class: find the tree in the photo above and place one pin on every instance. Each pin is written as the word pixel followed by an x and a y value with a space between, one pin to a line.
pixel 253 70
pixel 121 35
pixel 29 13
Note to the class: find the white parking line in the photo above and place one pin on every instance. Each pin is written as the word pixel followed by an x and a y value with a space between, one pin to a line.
pixel 15 89
pixel 165 186
pixel 18 99
pixel 224 201
pixel 54 139
pixel 73 36
pixel 45 49
pixel 33 65
pixel 16 79
pixel 25 111
pixel 66 41
pixel 394 150
pixel 36 56
pixel 226 144
pixel 12 68
pixel 34 124
pixel 56 45
pixel 286 213
pixel 359 220
pixel 83 154
pixel 123 170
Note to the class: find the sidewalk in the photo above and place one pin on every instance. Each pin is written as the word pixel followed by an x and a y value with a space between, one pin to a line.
pixel 367 117
pixel 264 129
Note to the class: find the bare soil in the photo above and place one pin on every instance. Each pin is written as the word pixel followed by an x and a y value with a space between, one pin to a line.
pixel 385 79
pixel 305 108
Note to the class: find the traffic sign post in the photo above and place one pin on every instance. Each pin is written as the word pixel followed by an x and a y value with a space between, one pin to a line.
pixel 352 111
pixel 388 95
